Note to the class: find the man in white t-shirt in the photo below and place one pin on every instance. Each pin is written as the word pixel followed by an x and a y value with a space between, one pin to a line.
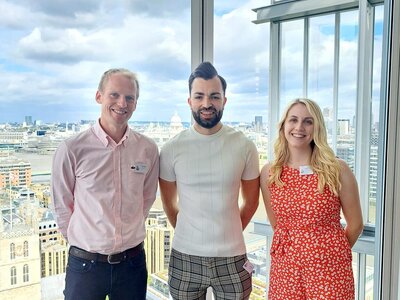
pixel 205 166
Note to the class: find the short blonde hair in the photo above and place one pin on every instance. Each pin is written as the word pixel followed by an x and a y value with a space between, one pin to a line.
pixel 323 160
pixel 107 74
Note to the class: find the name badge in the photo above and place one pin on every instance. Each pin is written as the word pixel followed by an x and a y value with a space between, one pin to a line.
pixel 139 168
pixel 306 170
pixel 248 266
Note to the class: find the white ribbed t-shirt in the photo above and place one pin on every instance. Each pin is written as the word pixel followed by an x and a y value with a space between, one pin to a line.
pixel 208 170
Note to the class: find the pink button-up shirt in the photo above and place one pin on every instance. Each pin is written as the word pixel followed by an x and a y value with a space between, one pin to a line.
pixel 102 191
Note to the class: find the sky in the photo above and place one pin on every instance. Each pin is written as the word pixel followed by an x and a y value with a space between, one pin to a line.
pixel 53 53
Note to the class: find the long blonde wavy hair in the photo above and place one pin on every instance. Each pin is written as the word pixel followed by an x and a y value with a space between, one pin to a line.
pixel 323 160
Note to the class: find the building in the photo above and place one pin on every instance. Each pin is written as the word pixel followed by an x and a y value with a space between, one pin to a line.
pixel 14 172
pixel 28 120
pixel 343 127
pixel 158 241
pixel 53 246
pixel 19 263
pixel 13 138
pixel 53 259
pixel 258 123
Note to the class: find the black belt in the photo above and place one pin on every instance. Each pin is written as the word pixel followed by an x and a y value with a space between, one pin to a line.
pixel 114 258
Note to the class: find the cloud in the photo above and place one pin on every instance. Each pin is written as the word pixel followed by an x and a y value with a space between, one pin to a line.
pixel 56 51
pixel 47 46
pixel 159 8
pixel 60 56
pixel 13 16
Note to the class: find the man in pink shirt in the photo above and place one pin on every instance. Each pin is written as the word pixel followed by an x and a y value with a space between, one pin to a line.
pixel 104 181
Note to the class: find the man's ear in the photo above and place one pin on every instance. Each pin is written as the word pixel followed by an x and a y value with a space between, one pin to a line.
pixel 98 97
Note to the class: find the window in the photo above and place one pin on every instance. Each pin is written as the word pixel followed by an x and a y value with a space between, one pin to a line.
pixel 57 262
pixel 55 57
pixel 43 264
pixel 13 275
pixel 12 251
pixel 26 249
pixel 26 273
pixel 338 63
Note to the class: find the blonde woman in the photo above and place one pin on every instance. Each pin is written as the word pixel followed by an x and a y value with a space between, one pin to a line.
pixel 305 189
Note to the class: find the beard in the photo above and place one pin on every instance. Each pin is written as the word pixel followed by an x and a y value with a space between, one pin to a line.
pixel 210 123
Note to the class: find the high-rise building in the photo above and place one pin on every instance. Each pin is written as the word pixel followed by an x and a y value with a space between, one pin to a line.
pixel 158 241
pixel 258 123
pixel 28 120
pixel 373 175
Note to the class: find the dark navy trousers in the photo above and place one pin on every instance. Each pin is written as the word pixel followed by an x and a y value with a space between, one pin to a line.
pixel 92 280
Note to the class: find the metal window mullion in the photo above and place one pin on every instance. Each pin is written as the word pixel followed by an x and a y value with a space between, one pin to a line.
pixel 362 264
pixel 336 57
pixel 363 107
pixel 274 84
pixel 208 30
pixel 382 147
pixel 306 42
pixel 363 125
pixel 388 230
pixel 363 119
pixel 202 31
pixel 284 11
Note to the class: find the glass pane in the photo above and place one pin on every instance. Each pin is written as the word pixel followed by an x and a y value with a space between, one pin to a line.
pixel 369 277
pixel 51 59
pixel 347 87
pixel 321 59
pixel 292 62
pixel 356 262
pixel 241 55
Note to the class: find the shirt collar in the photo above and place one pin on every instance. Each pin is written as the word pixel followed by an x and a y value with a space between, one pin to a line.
pixel 105 138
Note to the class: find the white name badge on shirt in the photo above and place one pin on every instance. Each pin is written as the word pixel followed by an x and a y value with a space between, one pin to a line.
pixel 306 170
pixel 139 168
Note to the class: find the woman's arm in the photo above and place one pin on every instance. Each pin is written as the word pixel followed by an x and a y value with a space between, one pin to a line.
pixel 350 201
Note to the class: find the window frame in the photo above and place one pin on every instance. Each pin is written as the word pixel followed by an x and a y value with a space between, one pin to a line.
pixel 386 247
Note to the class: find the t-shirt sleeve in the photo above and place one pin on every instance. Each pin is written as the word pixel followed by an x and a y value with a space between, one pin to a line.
pixel 167 171
pixel 252 168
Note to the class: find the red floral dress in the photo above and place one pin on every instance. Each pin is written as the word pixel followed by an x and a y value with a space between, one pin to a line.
pixel 310 254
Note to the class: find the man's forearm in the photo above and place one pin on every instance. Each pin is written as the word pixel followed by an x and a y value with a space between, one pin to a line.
pixel 247 212
pixel 172 214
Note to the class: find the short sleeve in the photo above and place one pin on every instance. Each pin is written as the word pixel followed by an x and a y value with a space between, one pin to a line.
pixel 167 171
pixel 252 168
